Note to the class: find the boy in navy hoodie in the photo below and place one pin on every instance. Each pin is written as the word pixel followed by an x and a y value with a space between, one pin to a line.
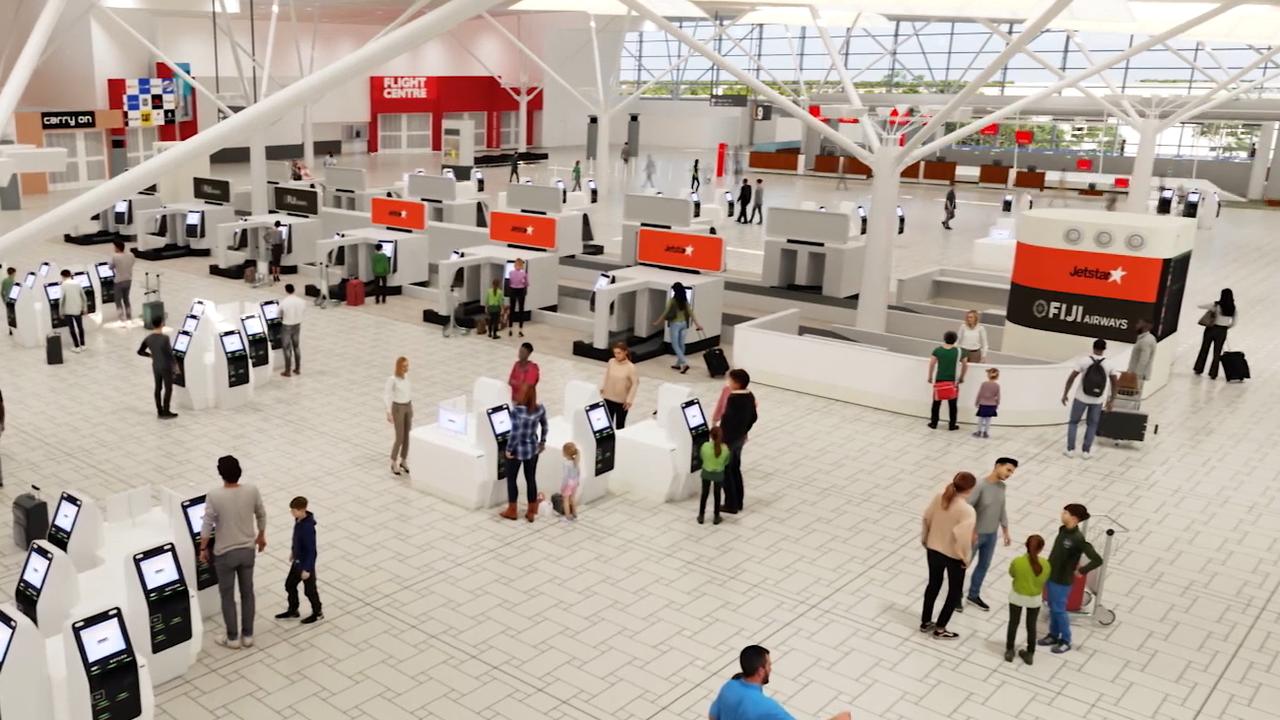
pixel 302 563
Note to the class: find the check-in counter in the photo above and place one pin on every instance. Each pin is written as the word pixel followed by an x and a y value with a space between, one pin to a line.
pixel 1032 180
pixel 993 175
pixel 781 161
pixel 938 171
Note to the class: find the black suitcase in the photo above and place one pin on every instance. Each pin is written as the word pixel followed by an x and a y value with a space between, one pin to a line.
pixel 30 519
pixel 53 349
pixel 1120 425
pixel 1234 366
pixel 557 503
pixel 717 363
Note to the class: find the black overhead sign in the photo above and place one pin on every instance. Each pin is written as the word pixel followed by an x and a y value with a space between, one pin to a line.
pixel 68 120
pixel 211 190
pixel 729 100
pixel 297 200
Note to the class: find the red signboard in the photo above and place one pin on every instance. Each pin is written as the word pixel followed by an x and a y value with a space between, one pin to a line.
pixel 405 214
pixel 1122 182
pixel 1092 274
pixel 688 251
pixel 439 96
pixel 992 129
pixel 1023 137
pixel 1084 164
pixel 535 231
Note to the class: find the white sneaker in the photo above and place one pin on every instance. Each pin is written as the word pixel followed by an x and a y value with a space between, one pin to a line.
pixel 1069 453
pixel 228 643
pixel 246 641
pixel 1086 455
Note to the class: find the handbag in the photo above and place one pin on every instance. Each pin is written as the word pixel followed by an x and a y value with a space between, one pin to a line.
pixel 945 390
pixel 1208 319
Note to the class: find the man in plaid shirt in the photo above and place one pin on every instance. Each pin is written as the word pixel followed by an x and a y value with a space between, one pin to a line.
pixel 528 438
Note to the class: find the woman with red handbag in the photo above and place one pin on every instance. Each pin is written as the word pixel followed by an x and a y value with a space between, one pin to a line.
pixel 943 365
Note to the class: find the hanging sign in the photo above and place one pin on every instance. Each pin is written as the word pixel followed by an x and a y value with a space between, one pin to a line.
pixel 992 129
pixel 535 231
pixel 687 251
pixel 1023 137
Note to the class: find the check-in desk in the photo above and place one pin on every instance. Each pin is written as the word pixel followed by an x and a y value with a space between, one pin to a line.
pixel 654 211
pixel 459 458
pixel 243 242
pixel 448 200
pixel 348 189
pixel 180 229
pixel 117 222
pixel 812 250
pixel 636 299
pixel 533 201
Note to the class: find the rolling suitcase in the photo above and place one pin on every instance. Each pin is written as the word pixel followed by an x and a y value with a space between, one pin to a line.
pixel 53 349
pixel 152 306
pixel 1123 425
pixel 1234 366
pixel 30 519
pixel 717 363
pixel 355 292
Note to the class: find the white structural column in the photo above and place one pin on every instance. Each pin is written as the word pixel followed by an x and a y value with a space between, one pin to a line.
pixel 1272 189
pixel 882 228
pixel 25 65
pixel 271 47
pixel 1261 159
pixel 258 172
pixel 602 116
pixel 1143 165
pixel 234 129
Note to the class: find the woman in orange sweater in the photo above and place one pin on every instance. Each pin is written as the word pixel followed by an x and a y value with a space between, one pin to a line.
pixel 947 535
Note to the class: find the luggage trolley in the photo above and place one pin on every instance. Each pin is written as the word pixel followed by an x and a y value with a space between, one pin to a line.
pixel 1091 605
pixel 1125 421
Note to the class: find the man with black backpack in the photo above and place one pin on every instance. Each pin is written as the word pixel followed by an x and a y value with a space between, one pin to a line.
pixel 1097 380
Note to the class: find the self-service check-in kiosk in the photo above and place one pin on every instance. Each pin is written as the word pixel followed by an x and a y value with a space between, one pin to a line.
pixel 602 430
pixel 862 220
pixel 25 690
pixel 32 320
pixel 106 281
pixel 117 222
pixel 76 529
pixel 161 612
pixel 275 323
pixel 53 296
pixel 244 242
pixel 255 333
pixel 106 679
pixel 1191 204
pixel 902 220
pixel 812 251
pixel 1006 204
pixel 728 203
pixel 595 191
pixel 233 365
pixel 186 520
pixel 500 425
pixel 11 306
pixel 1164 202
pixel 586 423
pixel 193 346
pixel 465 448
pixel 181 348
pixel 47 587
pixel 86 284
pixel 695 422
pixel 656 457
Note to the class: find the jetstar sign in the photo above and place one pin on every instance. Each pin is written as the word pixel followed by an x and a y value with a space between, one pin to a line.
pixel 534 231
pixel 404 87
pixel 687 251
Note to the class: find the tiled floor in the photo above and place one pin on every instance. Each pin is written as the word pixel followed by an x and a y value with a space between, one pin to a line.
pixel 638 612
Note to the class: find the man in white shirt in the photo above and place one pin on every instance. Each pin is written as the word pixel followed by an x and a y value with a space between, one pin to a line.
pixel 73 306
pixel 291 309
pixel 1097 380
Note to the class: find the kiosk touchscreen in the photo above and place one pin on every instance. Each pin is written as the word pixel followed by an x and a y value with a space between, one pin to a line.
pixel 124 212
pixel 1164 205
pixel 1006 205
pixel 500 423
pixel 43 270
pixel 110 666
pixel 902 220
pixel 602 428
pixel 388 248
pixel 194 224
pixel 190 324
pixel 31 582
pixel 1191 206
pixel 8 627
pixel 595 191
pixel 862 220
pixel 86 284
pixel 697 204
pixel 181 346
pixel 193 513
pixel 696 421
pixel 275 323
pixel 237 358
pixel 29 281
pixel 53 293
pixel 165 590
pixel 106 281
pixel 259 348
pixel 197 308
pixel 64 521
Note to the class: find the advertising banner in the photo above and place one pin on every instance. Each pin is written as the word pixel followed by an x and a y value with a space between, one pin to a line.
pixel 535 231
pixel 403 214
pixel 300 201
pixel 686 251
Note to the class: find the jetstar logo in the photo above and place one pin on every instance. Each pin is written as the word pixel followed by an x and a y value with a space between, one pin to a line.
pixel 404 87
pixel 526 229
pixel 1089 273
pixel 680 250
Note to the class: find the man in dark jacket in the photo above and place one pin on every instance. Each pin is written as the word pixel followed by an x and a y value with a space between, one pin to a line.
pixel 738 418
pixel 744 200
pixel 1064 564
pixel 302 563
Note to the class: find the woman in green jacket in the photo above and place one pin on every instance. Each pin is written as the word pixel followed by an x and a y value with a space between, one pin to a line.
pixel 715 456
pixel 1029 573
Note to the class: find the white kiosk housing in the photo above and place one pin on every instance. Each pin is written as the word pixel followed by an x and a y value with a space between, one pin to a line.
pixel 76 529
pixel 161 611
pixel 464 449
pixel 585 420
pixel 656 454
pixel 25 690
pixel 812 250
pixel 105 676
pixel 47 588
pixel 448 200
pixel 656 211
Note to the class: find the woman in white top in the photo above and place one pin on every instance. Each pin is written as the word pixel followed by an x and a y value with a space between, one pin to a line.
pixel 73 307
pixel 398 397
pixel 972 338
pixel 1221 316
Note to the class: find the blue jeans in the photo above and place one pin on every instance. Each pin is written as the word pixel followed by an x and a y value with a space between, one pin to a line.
pixel 677 340
pixel 1059 621
pixel 1092 413
pixel 984 548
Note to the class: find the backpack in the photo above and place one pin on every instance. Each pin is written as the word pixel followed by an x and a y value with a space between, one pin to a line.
pixel 1094 382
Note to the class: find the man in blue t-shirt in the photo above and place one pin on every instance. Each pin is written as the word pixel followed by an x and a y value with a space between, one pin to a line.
pixel 743 698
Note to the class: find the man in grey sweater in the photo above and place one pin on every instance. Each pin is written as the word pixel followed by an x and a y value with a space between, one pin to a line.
pixel 230 514
pixel 987 500
pixel 1143 354
pixel 757 203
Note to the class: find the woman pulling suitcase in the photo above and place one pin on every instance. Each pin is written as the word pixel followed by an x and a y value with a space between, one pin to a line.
pixel 1219 317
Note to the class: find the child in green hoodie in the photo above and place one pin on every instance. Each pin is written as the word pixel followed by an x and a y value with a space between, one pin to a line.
pixel 1029 574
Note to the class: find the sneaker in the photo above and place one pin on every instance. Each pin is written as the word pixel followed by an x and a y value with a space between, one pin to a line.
pixel 1008 655
pixel 700 520
pixel 717 521
pixel 1069 453
pixel 312 618
pixel 1026 656
pixel 1086 455
pixel 246 641
pixel 940 634
pixel 1047 640
pixel 228 643
pixel 978 601
pixel 933 426
pixel 926 627
pixel 169 415
pixel 959 608
pixel 286 373
pixel 288 614
pixel 1060 648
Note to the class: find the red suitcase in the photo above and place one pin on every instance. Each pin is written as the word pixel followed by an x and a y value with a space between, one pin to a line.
pixel 355 291
pixel 1075 598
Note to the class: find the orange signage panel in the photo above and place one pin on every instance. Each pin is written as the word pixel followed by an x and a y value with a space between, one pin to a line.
pixel 535 231
pixel 688 251
pixel 1092 274
pixel 405 214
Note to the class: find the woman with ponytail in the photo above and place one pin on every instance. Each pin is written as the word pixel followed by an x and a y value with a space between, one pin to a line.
pixel 715 456
pixel 947 536
pixel 1029 572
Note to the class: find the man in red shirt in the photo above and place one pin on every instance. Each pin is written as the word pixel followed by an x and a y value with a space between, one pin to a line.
pixel 523 372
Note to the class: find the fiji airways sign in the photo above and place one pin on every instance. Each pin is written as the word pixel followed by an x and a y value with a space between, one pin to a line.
pixel 404 87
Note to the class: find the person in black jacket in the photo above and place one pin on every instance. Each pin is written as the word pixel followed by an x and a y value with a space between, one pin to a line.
pixel 738 418
pixel 302 563
pixel 164 366
pixel 744 200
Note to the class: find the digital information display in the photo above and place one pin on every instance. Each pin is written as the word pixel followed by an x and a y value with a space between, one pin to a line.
pixel 190 323
pixel 83 279
pixel 102 639
pixel 232 343
pixel 500 420
pixel 195 516
pixel 44 269
pixel 159 571
pixel 194 218
pixel 452 420
pixel 65 517
pixel 105 272
pixel 181 343
pixel 197 308
pixel 253 325
pixel 598 417
pixel 36 569
pixel 604 281
pixel 693 416
pixel 271 310
pixel 53 291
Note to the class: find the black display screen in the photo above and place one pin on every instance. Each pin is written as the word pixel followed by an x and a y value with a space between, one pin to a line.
pixel 35 572
pixel 8 627
pixel 64 521
pixel 193 512
pixel 168 604
pixel 110 666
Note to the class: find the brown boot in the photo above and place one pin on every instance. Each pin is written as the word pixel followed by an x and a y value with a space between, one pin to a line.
pixel 533 509
pixel 509 513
